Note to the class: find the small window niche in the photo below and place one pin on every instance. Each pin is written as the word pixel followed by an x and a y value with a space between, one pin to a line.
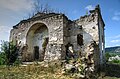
pixel 80 39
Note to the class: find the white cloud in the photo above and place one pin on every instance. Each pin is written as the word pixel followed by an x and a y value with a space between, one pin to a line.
pixel 4 33
pixel 118 36
pixel 117 13
pixel 16 5
pixel 90 7
pixel 4 29
pixel 117 45
pixel 115 37
pixel 116 16
pixel 115 41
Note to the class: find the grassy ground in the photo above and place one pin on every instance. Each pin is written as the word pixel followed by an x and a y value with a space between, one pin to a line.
pixel 32 72
pixel 36 72
pixel 107 77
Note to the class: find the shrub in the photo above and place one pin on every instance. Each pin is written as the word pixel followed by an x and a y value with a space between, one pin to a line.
pixel 17 62
pixel 2 58
pixel 115 61
pixel 107 55
pixel 9 53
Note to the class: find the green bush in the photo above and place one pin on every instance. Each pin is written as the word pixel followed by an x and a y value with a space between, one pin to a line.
pixel 115 61
pixel 9 53
pixel 17 62
pixel 2 58
pixel 107 55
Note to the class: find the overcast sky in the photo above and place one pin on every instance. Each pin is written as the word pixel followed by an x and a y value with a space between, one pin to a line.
pixel 12 11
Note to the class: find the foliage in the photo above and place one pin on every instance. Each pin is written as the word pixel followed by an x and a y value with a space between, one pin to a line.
pixel 9 53
pixel 107 55
pixel 115 61
pixel 17 62
pixel 113 49
pixel 39 71
pixel 2 58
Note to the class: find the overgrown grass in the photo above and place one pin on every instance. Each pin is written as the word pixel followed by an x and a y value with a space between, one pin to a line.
pixel 32 72
pixel 107 77
pixel 36 71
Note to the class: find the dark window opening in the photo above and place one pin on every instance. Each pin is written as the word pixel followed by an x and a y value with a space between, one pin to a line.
pixel 80 39
pixel 36 52
pixel 69 54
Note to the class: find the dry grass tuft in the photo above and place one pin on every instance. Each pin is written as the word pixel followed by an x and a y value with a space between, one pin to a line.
pixel 37 71
pixel 33 71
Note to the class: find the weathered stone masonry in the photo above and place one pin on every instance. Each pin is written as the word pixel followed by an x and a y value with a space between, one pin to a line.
pixel 53 36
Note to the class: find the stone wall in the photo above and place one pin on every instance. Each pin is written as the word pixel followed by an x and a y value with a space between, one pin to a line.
pixel 83 37
pixel 22 34
pixel 93 32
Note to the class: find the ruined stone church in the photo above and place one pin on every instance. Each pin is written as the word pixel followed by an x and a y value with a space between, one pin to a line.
pixel 52 36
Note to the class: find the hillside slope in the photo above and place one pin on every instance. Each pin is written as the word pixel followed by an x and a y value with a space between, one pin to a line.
pixel 113 50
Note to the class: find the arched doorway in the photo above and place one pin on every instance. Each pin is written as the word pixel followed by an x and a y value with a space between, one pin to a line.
pixel 35 38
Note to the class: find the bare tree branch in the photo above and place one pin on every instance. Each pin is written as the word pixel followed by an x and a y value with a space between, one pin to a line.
pixel 40 8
